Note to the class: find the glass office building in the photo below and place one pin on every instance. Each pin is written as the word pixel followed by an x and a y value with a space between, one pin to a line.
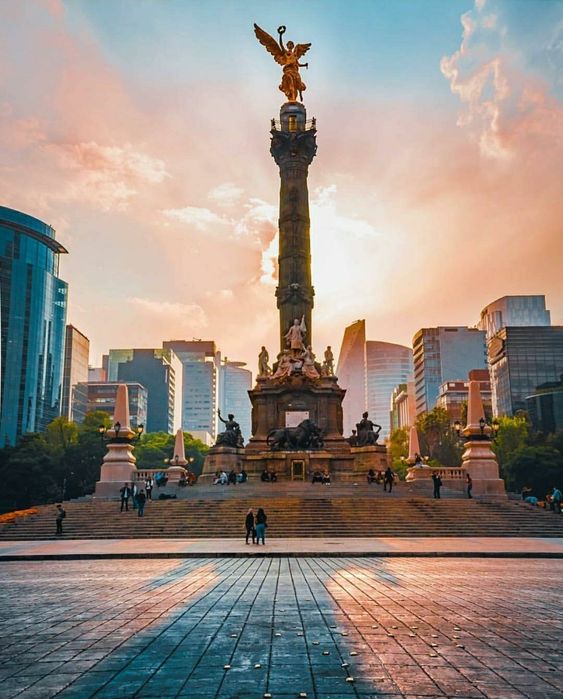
pixel 444 354
pixel 388 365
pixel 33 304
pixel 509 311
pixel 521 358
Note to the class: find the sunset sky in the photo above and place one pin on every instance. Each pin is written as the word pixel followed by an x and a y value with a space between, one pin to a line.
pixel 139 129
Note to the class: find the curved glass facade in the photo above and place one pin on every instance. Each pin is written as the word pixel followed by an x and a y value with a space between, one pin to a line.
pixel 33 304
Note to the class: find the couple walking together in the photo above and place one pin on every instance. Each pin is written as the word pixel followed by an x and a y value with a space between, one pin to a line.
pixel 256 526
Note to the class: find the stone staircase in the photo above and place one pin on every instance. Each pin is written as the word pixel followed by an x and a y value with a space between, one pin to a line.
pixel 294 510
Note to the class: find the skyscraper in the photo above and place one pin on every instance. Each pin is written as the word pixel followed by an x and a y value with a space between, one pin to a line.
pixel 75 374
pixel 200 397
pixel 161 373
pixel 444 354
pixel 33 303
pixel 234 383
pixel 520 359
pixel 513 310
pixel 387 365
pixel 351 372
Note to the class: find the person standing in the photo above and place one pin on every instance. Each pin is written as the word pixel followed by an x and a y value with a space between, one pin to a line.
pixel 249 524
pixel 61 514
pixel 125 494
pixel 141 500
pixel 148 488
pixel 469 486
pixel 388 479
pixel 261 524
pixel 556 500
pixel 437 485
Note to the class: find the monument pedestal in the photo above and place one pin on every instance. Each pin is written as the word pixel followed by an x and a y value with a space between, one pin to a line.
pixel 222 459
pixel 118 468
pixel 480 462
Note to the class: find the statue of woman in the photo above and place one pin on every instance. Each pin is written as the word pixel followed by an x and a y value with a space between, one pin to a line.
pixel 287 56
pixel 309 369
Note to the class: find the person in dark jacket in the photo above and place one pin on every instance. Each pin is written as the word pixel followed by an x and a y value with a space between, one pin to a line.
pixel 249 524
pixel 388 479
pixel 125 494
pixel 437 485
pixel 61 514
pixel 469 486
pixel 261 524
pixel 141 500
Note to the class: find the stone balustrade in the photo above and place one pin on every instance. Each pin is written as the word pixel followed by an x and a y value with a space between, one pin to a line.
pixel 446 473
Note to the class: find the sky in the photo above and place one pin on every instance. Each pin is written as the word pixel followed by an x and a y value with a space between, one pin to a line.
pixel 139 129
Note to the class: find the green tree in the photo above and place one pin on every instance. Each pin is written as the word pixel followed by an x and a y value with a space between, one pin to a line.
pixel 539 467
pixel 398 448
pixel 437 439
pixel 60 434
pixel 513 434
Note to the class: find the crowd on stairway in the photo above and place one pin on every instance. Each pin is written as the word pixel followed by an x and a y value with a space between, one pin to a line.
pixel 138 496
pixel 231 478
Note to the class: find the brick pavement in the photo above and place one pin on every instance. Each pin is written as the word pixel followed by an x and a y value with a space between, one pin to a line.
pixel 219 628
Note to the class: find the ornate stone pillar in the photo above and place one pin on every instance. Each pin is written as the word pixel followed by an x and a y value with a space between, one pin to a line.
pixel 293 147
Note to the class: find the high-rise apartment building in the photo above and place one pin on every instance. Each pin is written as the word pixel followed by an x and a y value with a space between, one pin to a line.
pixel 200 397
pixel 33 305
pixel 351 372
pixel 521 358
pixel 161 373
pixel 444 354
pixel 234 383
pixel 101 395
pixel 387 365
pixel 402 411
pixel 509 311
pixel 75 375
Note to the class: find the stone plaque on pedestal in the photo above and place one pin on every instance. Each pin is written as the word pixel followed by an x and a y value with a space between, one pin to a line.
pixel 295 417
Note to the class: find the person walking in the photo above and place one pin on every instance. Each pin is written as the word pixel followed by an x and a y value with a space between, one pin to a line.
pixel 125 494
pixel 141 500
pixel 388 479
pixel 61 514
pixel 437 485
pixel 469 486
pixel 249 524
pixel 261 524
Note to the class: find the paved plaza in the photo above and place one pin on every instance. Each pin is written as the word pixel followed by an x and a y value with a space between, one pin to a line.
pixel 327 627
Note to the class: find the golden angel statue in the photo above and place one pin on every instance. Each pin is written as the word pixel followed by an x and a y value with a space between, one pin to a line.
pixel 287 56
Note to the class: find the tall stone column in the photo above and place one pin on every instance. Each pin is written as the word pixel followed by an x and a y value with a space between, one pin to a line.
pixel 293 147
pixel 478 459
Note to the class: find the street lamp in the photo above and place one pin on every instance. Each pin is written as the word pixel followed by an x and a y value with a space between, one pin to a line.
pixel 457 427
pixel 482 423
pixel 117 429
pixel 496 427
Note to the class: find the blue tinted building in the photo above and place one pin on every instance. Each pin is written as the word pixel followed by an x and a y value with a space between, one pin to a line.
pixel 33 303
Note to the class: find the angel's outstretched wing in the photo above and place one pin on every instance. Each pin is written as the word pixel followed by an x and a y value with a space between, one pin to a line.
pixel 300 49
pixel 270 44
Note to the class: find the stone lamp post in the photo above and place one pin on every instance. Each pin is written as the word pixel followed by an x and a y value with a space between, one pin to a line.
pixel 118 465
pixel 478 459
pixel 178 462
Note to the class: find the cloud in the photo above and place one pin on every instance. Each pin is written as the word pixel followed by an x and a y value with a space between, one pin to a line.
pixel 196 216
pixel 172 317
pixel 226 194
pixel 505 108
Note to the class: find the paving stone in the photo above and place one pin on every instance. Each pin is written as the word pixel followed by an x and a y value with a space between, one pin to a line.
pixel 159 628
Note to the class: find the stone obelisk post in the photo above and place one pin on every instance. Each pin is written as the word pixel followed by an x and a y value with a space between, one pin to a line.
pixel 479 460
pixel 119 463
pixel 293 147
pixel 178 462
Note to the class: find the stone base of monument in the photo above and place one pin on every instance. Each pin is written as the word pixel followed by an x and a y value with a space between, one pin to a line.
pixel 112 478
pixel 364 458
pixel 480 462
pixel 297 465
pixel 221 459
